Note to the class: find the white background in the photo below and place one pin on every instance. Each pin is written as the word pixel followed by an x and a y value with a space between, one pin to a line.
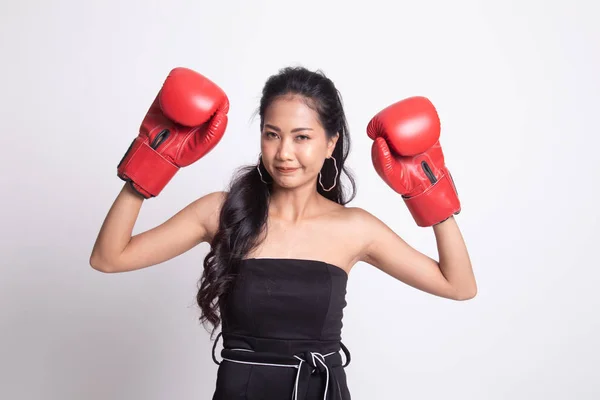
pixel 517 89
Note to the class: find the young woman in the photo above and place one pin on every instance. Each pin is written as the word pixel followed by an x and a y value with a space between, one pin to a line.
pixel 283 241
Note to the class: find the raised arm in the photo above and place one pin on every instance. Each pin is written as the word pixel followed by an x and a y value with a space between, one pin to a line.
pixel 407 155
pixel 116 250
pixel 451 277
pixel 185 121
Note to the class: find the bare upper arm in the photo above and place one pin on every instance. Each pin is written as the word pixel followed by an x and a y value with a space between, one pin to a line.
pixel 387 251
pixel 194 224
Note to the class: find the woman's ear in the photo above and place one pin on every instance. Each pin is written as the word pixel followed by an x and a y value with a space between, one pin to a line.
pixel 332 143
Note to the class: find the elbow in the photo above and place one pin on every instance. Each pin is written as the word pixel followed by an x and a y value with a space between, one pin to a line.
pixel 99 265
pixel 466 295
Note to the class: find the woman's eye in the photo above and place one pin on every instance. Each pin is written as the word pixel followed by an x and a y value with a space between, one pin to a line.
pixel 273 135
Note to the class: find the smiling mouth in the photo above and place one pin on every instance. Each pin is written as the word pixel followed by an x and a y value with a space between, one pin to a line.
pixel 286 169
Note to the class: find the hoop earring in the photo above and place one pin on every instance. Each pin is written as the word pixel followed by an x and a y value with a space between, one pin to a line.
pixel 258 169
pixel 334 179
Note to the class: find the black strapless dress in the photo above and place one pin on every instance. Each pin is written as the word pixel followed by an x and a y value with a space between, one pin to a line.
pixel 281 330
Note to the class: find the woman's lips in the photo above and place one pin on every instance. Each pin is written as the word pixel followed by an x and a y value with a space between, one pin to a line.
pixel 286 170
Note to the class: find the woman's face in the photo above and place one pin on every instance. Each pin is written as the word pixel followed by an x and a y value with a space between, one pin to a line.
pixel 292 137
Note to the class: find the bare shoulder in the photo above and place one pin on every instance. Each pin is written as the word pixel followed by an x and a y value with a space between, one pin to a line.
pixel 364 228
pixel 358 217
pixel 384 249
pixel 208 208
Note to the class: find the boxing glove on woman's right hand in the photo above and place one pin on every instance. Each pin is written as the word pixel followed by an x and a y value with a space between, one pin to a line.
pixel 186 121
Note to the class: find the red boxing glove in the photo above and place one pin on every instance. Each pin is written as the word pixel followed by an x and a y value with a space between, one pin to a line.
pixel 407 155
pixel 186 120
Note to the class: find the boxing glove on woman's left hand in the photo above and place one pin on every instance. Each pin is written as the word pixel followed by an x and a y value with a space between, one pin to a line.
pixel 186 121
pixel 406 154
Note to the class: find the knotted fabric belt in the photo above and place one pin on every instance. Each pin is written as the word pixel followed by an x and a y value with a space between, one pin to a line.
pixel 307 363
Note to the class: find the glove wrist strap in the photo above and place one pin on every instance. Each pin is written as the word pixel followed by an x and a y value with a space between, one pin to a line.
pixel 146 168
pixel 438 203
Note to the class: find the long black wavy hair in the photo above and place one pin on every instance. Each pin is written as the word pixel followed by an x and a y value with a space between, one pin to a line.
pixel 244 212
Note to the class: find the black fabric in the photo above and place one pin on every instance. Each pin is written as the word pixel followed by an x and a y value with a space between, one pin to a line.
pixel 286 313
